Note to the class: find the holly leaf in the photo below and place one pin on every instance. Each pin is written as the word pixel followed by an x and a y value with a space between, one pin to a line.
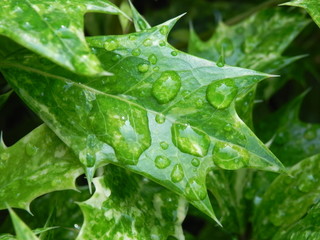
pixel 54 29
pixel 127 206
pixel 164 114
pixel 288 198
pixel 311 6
pixel 37 164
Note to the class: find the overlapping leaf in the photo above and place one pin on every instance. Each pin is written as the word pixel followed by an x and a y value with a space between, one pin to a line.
pixel 164 114
pixel 288 198
pixel 54 29
pixel 311 6
pixel 4 97
pixel 126 206
pixel 39 163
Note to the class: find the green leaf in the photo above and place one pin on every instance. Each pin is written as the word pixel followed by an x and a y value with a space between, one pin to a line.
pixel 311 6
pixel 140 23
pixel 37 164
pixel 306 228
pixel 22 230
pixel 164 114
pixel 4 97
pixel 127 206
pixel 288 198
pixel 54 29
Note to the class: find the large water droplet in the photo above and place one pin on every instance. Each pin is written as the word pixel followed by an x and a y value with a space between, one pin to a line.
pixel 229 156
pixel 31 150
pixel 160 118
pixel 111 45
pixel 195 162
pixel 166 87
pixel 190 140
pixel 143 67
pixel 164 30
pixel 164 145
pixel 220 94
pixel 310 134
pixel 195 191
pixel 177 173
pixel 162 162
pixel 153 59
pixel 136 52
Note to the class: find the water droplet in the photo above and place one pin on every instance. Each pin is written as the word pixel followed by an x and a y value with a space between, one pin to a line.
pixel 110 45
pixel 116 58
pixel 195 191
pixel 164 30
pixel 190 140
pixel 162 162
pixel 199 102
pixel 160 118
pixel 310 134
pixel 307 183
pixel 195 162
pixel 4 156
pixel 166 87
pixel 31 150
pixel 153 59
pixel 143 67
pixel 136 52
pixel 147 42
pixel 156 69
pixel 220 94
pixel 177 173
pixel 229 156
pixel 221 61
pixel 174 53
pixel 164 145
pixel 142 24
pixel 277 217
pixel 185 93
pixel 132 37
pixel 162 43
pixel 228 127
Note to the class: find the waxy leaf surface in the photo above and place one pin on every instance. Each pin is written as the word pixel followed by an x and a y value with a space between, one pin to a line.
pixel 54 29
pixel 126 206
pixel 288 198
pixel 164 114
pixel 37 164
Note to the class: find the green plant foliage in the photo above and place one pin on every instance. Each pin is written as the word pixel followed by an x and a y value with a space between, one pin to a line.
pixel 126 206
pixel 54 29
pixel 48 165
pixel 3 98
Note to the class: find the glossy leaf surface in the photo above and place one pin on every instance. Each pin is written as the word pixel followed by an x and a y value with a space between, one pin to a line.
pixel 288 198
pixel 54 29
pixel 34 166
pixel 126 206
pixel 164 114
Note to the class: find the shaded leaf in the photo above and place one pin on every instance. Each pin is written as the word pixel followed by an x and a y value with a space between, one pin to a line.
pixel 288 198
pixel 4 97
pixel 164 114
pixel 54 29
pixel 37 164
pixel 126 206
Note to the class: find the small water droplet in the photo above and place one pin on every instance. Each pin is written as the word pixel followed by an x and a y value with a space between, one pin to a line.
pixel 174 53
pixel 228 127
pixel 162 43
pixel 153 59
pixel 162 162
pixel 199 102
pixel 160 118
pixel 310 134
pixel 221 61
pixel 195 162
pixel 147 42
pixel 164 145
pixel 307 183
pixel 156 69
pixel 132 37
pixel 190 140
pixel 221 94
pixel 136 52
pixel 110 45
pixel 166 87
pixel 177 173
pixel 277 217
pixel 195 190
pixel 142 24
pixel 143 67
pixel 116 58
pixel 31 150
pixel 164 30
pixel 4 156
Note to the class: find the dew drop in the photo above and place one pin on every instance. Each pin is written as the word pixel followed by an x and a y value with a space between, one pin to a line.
pixel 307 184
pixel 156 69
pixel 110 45
pixel 310 134
pixel 160 118
pixel 153 59
pixel 116 58
pixel 228 127
pixel 4 156
pixel 221 61
pixel 143 67
pixel 190 140
pixel 147 42
pixel 199 102
pixel 31 150
pixel 177 173
pixel 162 43
pixel 166 87
pixel 164 145
pixel 174 53
pixel 164 30
pixel 136 52
pixel 195 191
pixel 277 218
pixel 132 37
pixel 195 162
pixel 162 162
pixel 142 24
pixel 220 94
